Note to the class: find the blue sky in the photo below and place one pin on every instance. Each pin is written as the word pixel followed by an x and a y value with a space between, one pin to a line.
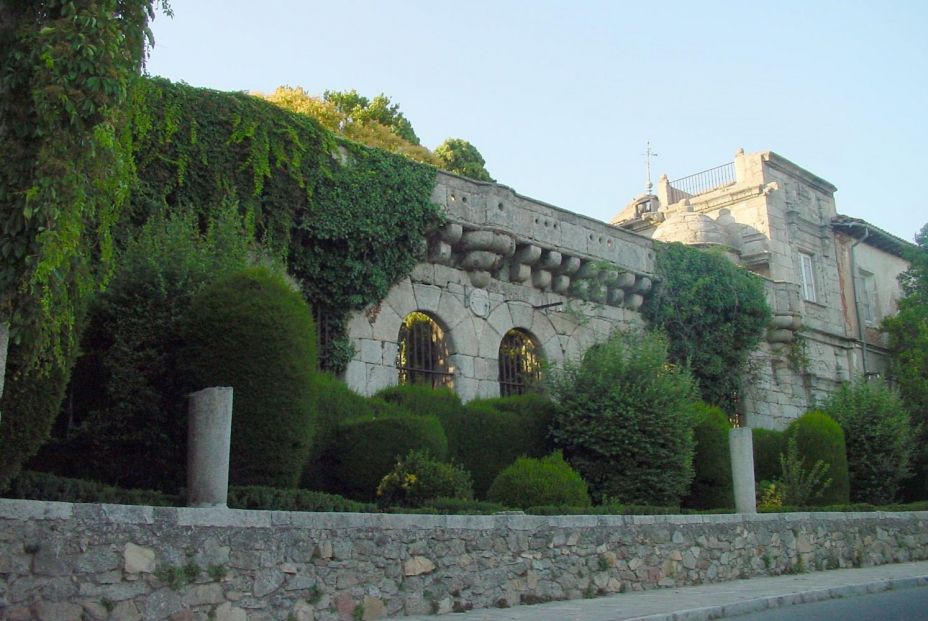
pixel 561 97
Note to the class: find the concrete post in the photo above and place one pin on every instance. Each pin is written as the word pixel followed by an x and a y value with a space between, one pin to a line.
pixel 741 447
pixel 209 434
pixel 4 343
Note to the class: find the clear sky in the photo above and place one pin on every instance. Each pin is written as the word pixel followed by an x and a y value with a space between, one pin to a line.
pixel 561 97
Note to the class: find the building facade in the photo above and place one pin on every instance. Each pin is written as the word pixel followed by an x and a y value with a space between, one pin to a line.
pixel 512 284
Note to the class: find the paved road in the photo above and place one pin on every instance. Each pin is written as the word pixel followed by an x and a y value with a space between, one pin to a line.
pixel 720 600
pixel 903 605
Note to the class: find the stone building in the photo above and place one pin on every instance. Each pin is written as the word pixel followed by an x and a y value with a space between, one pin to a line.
pixel 830 279
pixel 512 283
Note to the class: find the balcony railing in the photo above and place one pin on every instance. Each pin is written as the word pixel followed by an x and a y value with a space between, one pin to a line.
pixel 701 182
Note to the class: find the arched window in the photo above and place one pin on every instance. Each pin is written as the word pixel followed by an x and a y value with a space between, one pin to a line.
pixel 423 353
pixel 519 363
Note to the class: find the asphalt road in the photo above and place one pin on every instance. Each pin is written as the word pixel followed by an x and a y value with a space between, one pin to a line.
pixel 901 605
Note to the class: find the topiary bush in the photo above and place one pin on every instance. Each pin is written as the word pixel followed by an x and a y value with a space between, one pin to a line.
pixel 251 331
pixel 712 482
pixel 768 445
pixel 276 499
pixel 623 417
pixel 489 434
pixel 418 479
pixel 819 437
pixel 536 482
pixel 45 486
pixel 366 449
pixel 423 400
pixel 879 439
pixel 334 404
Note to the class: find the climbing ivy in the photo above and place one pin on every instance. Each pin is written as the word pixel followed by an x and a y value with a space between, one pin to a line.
pixel 350 219
pixel 714 313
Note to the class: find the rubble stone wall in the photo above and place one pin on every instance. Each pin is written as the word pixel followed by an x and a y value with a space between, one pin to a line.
pixel 73 561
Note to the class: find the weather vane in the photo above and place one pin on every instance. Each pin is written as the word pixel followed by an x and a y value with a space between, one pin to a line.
pixel 648 154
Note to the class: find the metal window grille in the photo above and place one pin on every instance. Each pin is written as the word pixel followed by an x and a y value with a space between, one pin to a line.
pixel 423 353
pixel 325 332
pixel 519 363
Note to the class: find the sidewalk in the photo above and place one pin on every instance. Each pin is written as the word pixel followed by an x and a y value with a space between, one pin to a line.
pixel 714 601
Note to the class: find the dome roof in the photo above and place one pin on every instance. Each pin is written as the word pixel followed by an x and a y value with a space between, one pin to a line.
pixel 691 228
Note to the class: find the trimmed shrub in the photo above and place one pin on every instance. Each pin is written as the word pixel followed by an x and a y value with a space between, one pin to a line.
pixel 712 483
pixel 624 419
pixel 418 479
pixel 452 506
pixel 490 434
pixel 879 439
pixel 768 445
pixel 366 449
pixel 44 486
pixel 423 400
pixel 334 404
pixel 127 397
pixel 252 332
pixel 533 482
pixel 819 437
pixel 31 400
pixel 276 499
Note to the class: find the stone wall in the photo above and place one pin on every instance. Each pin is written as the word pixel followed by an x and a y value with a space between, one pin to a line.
pixel 62 561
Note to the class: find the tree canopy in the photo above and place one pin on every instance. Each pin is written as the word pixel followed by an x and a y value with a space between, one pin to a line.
pixel 908 337
pixel 463 158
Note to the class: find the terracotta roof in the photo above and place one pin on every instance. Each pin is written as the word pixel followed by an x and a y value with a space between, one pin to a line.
pixel 877 237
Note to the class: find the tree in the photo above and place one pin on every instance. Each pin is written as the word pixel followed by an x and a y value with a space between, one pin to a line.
pixel 623 417
pixel 908 368
pixel 67 69
pixel 462 158
pixel 357 109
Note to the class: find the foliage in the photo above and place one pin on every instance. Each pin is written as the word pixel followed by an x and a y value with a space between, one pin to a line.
pixel 357 109
pixel 712 484
pixel 879 439
pixel 908 368
pixel 452 506
pixel 418 479
pixel 252 332
pixel 532 482
pixel 43 486
pixel 127 392
pixel 490 434
pixel 366 449
pixel 65 68
pixel 768 444
pixel 801 486
pixel 623 416
pixel 372 125
pixel 276 499
pixel 819 438
pixel 611 508
pixel 334 404
pixel 714 314
pixel 352 219
pixel 462 158
pixel 423 400
pixel 771 495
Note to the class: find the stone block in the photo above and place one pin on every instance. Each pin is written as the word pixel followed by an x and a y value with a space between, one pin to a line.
pixel 209 436
pixel 371 351
pixel 427 297
pixel 228 612
pixel 57 611
pixel 200 594
pixel 138 559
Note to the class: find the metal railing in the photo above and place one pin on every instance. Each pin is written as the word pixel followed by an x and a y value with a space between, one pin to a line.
pixel 687 187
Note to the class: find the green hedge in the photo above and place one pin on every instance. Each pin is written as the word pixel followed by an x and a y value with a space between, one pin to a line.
pixel 546 481
pixel 365 450
pixel 252 332
pixel 275 499
pixel 423 400
pixel 45 486
pixel 819 437
pixel 768 445
pixel 879 436
pixel 490 434
pixel 712 484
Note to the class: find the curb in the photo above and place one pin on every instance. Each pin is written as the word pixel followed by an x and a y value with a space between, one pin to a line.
pixel 781 601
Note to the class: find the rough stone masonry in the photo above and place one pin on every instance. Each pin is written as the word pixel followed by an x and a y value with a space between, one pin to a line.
pixel 81 561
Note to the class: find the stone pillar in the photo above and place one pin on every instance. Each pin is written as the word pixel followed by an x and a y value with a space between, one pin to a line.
pixel 4 343
pixel 741 447
pixel 209 434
